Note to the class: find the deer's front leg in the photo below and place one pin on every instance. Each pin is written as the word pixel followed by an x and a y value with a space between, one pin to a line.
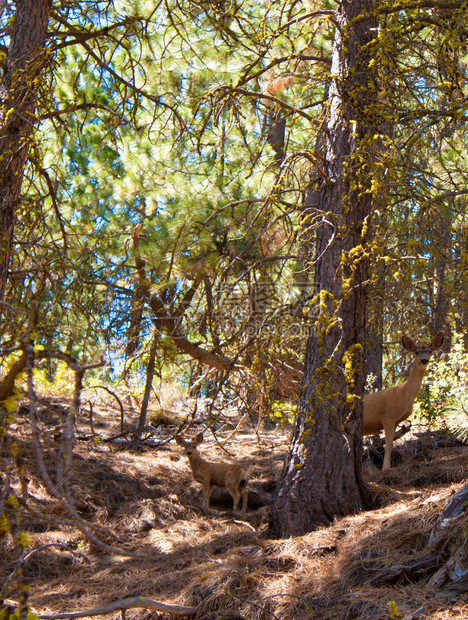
pixel 389 429
pixel 207 490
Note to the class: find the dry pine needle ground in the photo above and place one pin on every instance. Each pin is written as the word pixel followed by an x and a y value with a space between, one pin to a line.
pixel 148 503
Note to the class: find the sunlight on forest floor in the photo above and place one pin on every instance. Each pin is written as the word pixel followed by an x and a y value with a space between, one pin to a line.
pixel 148 503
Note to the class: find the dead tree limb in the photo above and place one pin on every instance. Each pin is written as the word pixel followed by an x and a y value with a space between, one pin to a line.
pixel 148 385
pixel 121 407
pixel 127 603
pixel 170 322
pixel 59 489
pixel 59 545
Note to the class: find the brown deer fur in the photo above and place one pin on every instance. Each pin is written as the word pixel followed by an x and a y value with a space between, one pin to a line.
pixel 388 408
pixel 231 476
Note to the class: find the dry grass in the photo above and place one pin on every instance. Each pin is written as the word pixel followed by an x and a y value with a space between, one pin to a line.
pixel 149 503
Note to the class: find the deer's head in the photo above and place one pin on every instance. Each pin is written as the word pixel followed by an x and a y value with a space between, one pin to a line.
pixel 422 353
pixel 189 446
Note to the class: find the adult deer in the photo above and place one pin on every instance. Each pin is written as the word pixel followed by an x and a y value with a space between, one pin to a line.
pixel 387 408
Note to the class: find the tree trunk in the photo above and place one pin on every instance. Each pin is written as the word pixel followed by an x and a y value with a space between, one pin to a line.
pixel 378 277
pixel 24 63
pixel 321 478
pixel 137 306
pixel 462 314
pixel 442 255
pixel 146 397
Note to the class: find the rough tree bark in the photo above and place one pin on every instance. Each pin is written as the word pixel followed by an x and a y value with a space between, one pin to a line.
pixel 463 266
pixel 442 254
pixel 20 85
pixel 321 478
pixel 147 394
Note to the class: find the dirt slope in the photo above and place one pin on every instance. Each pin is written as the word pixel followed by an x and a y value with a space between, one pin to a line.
pixel 373 565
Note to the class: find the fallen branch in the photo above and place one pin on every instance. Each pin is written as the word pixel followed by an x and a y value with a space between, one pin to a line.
pixel 127 603
pixel 407 573
pixel 402 431
pixel 241 422
pixel 60 545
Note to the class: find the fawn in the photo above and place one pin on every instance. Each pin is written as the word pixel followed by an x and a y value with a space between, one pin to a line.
pixel 387 408
pixel 231 476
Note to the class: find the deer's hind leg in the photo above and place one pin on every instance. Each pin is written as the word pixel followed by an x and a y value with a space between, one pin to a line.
pixel 234 491
pixel 245 498
pixel 238 491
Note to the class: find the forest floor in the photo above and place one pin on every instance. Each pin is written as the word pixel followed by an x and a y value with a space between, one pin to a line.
pixel 148 504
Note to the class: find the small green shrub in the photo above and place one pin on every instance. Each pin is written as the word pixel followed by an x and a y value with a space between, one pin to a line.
pixel 443 402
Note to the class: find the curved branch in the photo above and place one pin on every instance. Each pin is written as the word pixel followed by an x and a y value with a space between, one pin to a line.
pixel 109 391
pixel 127 603
pixel 75 107
pixel 82 35
pixel 170 323
pixel 247 93
pixel 158 100
pixel 53 196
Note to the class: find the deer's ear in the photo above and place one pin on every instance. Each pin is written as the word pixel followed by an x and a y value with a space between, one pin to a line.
pixel 408 344
pixel 437 341
pixel 179 440
pixel 199 438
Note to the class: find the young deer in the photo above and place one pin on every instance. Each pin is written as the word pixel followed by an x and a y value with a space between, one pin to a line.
pixel 387 408
pixel 231 476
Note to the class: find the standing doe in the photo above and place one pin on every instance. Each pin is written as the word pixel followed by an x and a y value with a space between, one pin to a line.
pixel 231 476
pixel 387 408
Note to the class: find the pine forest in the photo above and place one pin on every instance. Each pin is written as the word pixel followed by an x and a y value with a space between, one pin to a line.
pixel 233 309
